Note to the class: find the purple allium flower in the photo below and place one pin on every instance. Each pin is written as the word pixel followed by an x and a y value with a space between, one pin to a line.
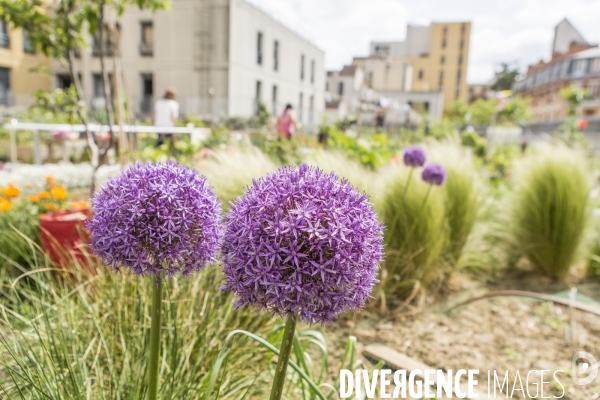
pixel 302 242
pixel 157 218
pixel 434 174
pixel 414 156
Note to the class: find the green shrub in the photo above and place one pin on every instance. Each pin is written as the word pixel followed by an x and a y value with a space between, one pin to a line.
pixel 372 149
pixel 416 230
pixel 550 208
pixel 21 217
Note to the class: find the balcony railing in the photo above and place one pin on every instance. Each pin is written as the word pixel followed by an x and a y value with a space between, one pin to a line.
pixel 146 105
pixel 146 49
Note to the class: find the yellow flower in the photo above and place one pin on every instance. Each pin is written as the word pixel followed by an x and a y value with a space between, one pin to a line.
pixel 29 185
pixel 5 205
pixel 44 195
pixel 33 199
pixel 59 192
pixel 50 179
pixel 11 191
pixel 50 207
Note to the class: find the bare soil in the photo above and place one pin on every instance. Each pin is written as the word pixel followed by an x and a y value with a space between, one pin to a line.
pixel 497 334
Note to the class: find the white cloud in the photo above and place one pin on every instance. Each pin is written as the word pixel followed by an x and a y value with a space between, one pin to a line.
pixel 514 31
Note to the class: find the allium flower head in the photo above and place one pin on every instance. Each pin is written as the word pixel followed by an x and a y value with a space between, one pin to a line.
pixel 414 156
pixel 302 242
pixel 434 174
pixel 157 218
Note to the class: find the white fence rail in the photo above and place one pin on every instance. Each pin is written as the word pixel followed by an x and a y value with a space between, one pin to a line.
pixel 14 126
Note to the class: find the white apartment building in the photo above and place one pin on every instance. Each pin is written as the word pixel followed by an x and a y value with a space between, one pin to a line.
pixel 222 57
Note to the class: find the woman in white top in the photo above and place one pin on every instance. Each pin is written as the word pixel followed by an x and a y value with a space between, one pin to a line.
pixel 166 111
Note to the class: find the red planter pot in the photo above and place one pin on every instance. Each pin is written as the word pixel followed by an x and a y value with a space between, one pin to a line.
pixel 64 234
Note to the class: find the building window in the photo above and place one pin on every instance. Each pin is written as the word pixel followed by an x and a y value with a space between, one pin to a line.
pixel 463 28
pixel 442 60
pixel 27 45
pixel 327 86
pixel 370 79
pixel 302 67
pixel 259 45
pixel 311 107
pixel 444 43
pixel 445 30
pixel 276 55
pixel 257 96
pixel 4 38
pixel 147 39
pixel 98 86
pixel 341 88
pixel 4 86
pixel 107 48
pixel 274 101
pixel 460 60
pixel 300 107
pixel 459 75
pixel 312 71
pixel 63 81
pixel 420 74
pixel 147 93
pixel 441 79
pixel 462 44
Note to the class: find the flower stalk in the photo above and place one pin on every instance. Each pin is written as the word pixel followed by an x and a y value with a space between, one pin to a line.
pixel 284 357
pixel 154 355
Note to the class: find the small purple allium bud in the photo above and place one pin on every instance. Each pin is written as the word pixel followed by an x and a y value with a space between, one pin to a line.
pixel 434 174
pixel 302 242
pixel 157 218
pixel 414 156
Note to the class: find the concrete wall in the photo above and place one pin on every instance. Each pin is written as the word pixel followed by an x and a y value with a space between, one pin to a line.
pixel 246 22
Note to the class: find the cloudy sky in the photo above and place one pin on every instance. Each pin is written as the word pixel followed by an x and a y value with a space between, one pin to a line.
pixel 515 31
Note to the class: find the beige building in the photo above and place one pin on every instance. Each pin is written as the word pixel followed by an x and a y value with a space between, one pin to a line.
pixel 17 81
pixel 575 63
pixel 433 58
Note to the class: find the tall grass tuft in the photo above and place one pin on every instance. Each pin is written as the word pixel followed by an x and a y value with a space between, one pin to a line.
pixel 358 175
pixel 462 196
pixel 550 208
pixel 230 171
pixel 76 336
pixel 416 231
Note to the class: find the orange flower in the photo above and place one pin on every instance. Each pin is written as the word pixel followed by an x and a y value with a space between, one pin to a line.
pixel 11 191
pixel 29 185
pixel 44 195
pixel 79 205
pixel 50 207
pixel 5 205
pixel 59 192
pixel 33 199
pixel 50 179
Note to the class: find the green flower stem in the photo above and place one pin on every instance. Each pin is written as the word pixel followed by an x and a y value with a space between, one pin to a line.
pixel 284 356
pixel 410 174
pixel 153 361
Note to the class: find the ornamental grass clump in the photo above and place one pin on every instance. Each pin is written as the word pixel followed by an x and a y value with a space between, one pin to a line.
pixel 550 208
pixel 301 244
pixel 413 212
pixel 156 220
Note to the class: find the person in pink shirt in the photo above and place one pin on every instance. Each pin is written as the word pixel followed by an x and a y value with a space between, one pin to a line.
pixel 286 123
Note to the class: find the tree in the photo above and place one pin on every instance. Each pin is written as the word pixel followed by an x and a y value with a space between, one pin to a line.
pixel 505 78
pixel 57 29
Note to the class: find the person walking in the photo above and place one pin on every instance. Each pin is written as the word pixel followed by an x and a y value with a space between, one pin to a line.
pixel 166 112
pixel 286 123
